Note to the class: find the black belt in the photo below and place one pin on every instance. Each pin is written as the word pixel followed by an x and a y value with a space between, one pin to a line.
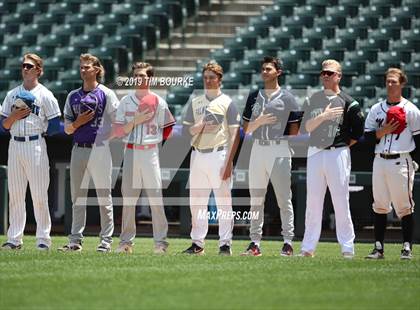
pixel 27 138
pixel 209 150
pixel 268 142
pixel 88 145
pixel 390 156
pixel 333 147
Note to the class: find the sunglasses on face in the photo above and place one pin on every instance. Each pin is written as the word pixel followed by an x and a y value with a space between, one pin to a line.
pixel 27 66
pixel 327 73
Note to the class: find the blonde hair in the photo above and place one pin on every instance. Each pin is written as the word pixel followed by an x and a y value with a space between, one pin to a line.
pixel 333 63
pixel 143 65
pixel 402 77
pixel 214 67
pixel 39 63
pixel 96 63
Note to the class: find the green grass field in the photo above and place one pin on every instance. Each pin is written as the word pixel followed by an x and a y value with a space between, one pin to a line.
pixel 36 280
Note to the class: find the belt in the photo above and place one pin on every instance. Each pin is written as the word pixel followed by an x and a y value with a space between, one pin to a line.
pixel 332 147
pixel 88 145
pixel 132 146
pixel 26 138
pixel 217 149
pixel 389 156
pixel 268 142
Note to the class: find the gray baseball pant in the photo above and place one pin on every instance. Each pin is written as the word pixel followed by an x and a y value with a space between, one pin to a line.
pixel 141 170
pixel 92 162
pixel 271 162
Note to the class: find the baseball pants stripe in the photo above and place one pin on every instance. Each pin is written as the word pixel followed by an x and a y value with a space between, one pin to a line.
pixel 28 162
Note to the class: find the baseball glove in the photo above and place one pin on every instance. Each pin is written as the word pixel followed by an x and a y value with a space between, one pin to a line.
pixel 89 102
pixel 398 114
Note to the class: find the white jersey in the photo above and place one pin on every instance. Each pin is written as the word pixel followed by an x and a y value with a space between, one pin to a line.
pixel 150 132
pixel 394 143
pixel 37 122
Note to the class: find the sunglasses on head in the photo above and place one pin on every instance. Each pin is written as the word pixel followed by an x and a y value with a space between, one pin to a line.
pixel 327 73
pixel 27 66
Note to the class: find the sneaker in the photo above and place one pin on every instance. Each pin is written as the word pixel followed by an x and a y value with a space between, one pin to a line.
pixel 103 248
pixel 252 250
pixel 287 250
pixel 306 254
pixel 160 249
pixel 406 251
pixel 11 246
pixel 194 250
pixel 377 252
pixel 124 248
pixel 225 250
pixel 42 247
pixel 71 247
pixel 348 255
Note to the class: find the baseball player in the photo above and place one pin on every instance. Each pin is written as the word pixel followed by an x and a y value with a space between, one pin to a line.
pixel 334 121
pixel 89 112
pixel 271 114
pixel 28 112
pixel 394 126
pixel 213 122
pixel 143 119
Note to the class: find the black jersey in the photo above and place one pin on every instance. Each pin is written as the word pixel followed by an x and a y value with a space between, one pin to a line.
pixel 337 132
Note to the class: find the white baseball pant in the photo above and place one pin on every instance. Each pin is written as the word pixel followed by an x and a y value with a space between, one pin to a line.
pixel 392 181
pixel 28 161
pixel 205 177
pixel 330 167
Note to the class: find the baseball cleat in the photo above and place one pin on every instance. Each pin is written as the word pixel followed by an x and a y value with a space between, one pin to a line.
pixel 160 249
pixel 348 255
pixel 42 247
pixel 287 250
pixel 306 254
pixel 406 252
pixel 124 248
pixel 194 250
pixel 377 252
pixel 71 247
pixel 103 248
pixel 10 246
pixel 225 250
pixel 252 250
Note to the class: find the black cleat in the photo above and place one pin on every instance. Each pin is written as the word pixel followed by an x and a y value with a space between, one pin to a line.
pixel 225 250
pixel 377 252
pixel 287 250
pixel 194 250
pixel 252 250
pixel 10 246
pixel 406 251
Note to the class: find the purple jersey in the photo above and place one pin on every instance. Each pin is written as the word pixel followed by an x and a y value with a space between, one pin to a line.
pixel 103 101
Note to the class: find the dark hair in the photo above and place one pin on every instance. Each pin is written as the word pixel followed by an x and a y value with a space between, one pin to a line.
pixel 273 60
